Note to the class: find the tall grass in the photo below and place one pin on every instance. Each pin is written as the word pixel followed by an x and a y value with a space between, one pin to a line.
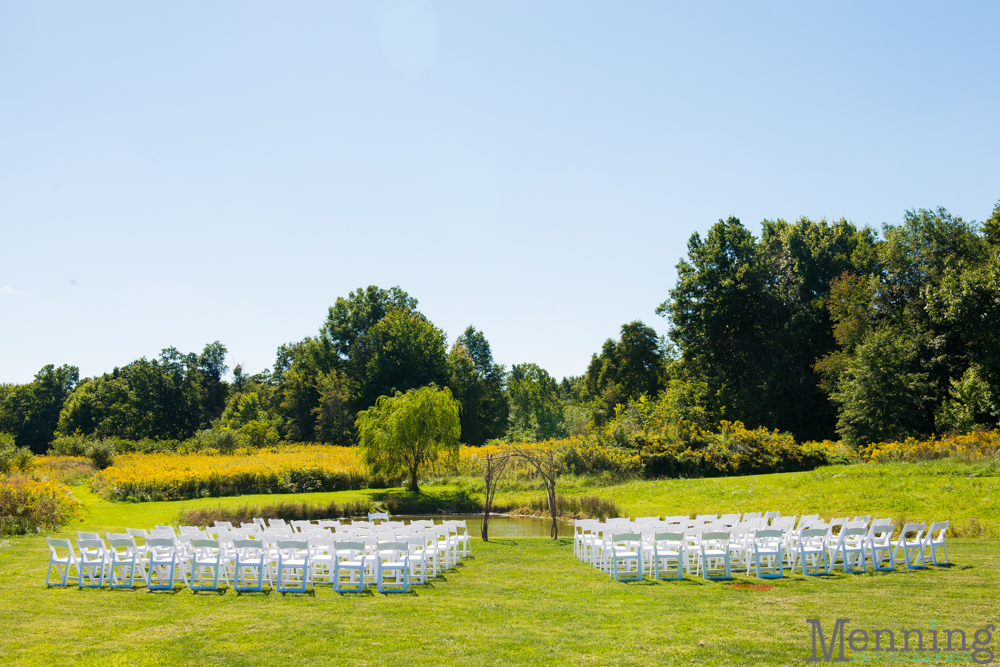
pixel 582 507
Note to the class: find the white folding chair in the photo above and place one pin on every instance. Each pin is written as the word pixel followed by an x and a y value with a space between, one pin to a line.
pixel 206 561
pixel 302 526
pixel 878 545
pixel 812 552
pixel 349 574
pixel 626 557
pixel 849 552
pixel 913 549
pixel 934 540
pixel 164 563
pixel 715 555
pixel 669 548
pixel 768 547
pixel 293 566
pixel 124 560
pixel 741 546
pixel 393 567
pixel 252 566
pixel 92 563
pixel 65 562
pixel 464 540
pixel 321 556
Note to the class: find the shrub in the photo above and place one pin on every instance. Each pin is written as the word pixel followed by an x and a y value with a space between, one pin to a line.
pixel 69 445
pixel 28 505
pixel 223 440
pixel 259 434
pixel 12 457
pixel 101 453
pixel 587 457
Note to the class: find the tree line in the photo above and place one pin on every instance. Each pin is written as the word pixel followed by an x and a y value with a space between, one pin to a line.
pixel 822 329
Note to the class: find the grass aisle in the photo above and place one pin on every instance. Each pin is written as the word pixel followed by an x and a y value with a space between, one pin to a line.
pixel 518 602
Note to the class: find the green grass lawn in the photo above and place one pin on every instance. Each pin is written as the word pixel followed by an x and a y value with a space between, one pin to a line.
pixel 526 601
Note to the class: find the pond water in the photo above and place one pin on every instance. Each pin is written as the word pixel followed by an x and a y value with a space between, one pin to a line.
pixel 502 526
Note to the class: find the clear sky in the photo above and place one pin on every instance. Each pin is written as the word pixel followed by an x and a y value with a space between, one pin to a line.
pixel 174 173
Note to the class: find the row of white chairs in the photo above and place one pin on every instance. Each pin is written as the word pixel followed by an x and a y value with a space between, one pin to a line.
pixel 712 546
pixel 286 558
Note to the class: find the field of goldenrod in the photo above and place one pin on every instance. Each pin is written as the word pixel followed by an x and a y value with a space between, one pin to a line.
pixel 969 447
pixel 169 476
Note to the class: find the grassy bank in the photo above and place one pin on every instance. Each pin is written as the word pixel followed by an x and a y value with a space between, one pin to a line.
pixel 967 494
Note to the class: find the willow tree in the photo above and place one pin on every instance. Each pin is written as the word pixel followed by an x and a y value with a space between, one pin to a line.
pixel 404 433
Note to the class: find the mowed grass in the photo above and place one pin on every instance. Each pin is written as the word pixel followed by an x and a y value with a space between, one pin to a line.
pixel 517 602
pixel 525 601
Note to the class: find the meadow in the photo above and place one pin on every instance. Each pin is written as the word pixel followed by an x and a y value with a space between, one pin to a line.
pixel 527 601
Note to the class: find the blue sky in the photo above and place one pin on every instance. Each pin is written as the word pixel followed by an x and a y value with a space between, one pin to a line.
pixel 179 173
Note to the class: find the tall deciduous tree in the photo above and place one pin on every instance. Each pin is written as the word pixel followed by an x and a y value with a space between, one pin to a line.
pixel 478 384
pixel 30 412
pixel 408 431
pixel 750 319
pixel 626 369
pixel 536 412
pixel 159 398
pixel 402 351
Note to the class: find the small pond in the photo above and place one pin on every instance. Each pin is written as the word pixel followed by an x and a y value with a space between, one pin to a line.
pixel 501 526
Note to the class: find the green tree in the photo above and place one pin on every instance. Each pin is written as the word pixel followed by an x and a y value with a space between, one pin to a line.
pixel 162 398
pixel 971 404
pixel 334 415
pixel 478 384
pixel 536 411
pixel 715 312
pixel 882 393
pixel 626 369
pixel 348 320
pixel 991 228
pixel 966 313
pixel 30 412
pixel 409 431
pixel 750 317
pixel 214 390
pixel 401 351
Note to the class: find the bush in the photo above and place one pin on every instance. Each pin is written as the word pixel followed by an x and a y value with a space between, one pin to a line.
pixel 69 445
pixel 223 440
pixel 259 434
pixel 101 453
pixel 588 457
pixel 29 506
pixel 969 448
pixel 14 458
